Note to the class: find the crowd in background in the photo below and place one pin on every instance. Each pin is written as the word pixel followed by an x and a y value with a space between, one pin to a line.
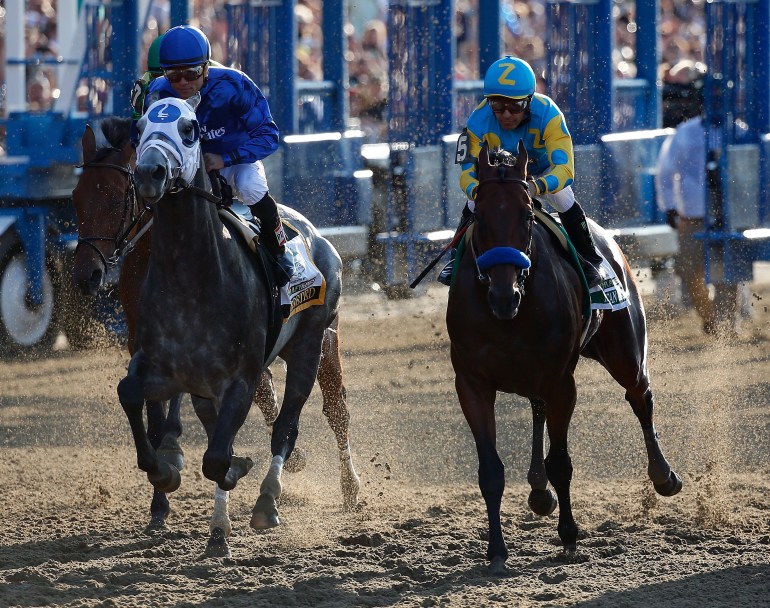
pixel 524 31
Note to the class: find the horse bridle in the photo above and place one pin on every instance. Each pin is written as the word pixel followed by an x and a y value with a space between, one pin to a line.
pixel 130 219
pixel 523 272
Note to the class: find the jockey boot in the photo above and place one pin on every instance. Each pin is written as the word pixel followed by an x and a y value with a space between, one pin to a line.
pixel 574 222
pixel 445 276
pixel 274 238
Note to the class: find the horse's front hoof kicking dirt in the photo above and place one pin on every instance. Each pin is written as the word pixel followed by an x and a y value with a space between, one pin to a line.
pixel 542 502
pixel 166 479
pixel 671 487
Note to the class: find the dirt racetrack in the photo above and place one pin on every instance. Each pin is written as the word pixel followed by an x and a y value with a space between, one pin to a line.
pixel 75 505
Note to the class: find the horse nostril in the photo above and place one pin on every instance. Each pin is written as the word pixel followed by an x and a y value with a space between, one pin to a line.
pixel 159 174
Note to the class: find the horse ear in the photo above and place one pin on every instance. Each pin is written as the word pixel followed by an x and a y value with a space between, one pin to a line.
pixel 194 101
pixel 88 143
pixel 522 157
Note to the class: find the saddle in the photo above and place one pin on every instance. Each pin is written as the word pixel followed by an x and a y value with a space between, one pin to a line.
pixel 308 285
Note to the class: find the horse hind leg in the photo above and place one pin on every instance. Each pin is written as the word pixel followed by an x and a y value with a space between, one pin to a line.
pixel 169 449
pixel 267 401
pixel 163 431
pixel 336 411
pixel 558 464
pixel 665 481
pixel 542 500
pixel 302 367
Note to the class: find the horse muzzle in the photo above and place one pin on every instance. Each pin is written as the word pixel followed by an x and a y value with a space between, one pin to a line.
pixel 504 301
pixel 151 181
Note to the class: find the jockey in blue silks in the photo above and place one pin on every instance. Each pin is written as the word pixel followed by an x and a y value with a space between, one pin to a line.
pixel 513 111
pixel 237 129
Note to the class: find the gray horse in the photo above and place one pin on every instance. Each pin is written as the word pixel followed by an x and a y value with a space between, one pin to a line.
pixel 205 325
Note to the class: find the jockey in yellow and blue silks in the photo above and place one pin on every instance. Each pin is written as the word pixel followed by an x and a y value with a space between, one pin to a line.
pixel 512 111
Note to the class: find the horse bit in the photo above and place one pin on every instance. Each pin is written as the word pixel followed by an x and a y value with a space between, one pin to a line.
pixel 123 245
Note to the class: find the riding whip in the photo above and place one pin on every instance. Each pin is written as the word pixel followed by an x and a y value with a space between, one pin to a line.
pixel 452 243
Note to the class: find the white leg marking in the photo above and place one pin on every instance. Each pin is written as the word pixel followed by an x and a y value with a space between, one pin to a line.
pixel 220 518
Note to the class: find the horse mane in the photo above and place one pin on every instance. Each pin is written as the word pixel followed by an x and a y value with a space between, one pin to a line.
pixel 499 156
pixel 115 133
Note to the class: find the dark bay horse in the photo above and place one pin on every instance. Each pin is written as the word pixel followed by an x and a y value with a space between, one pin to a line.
pixel 515 320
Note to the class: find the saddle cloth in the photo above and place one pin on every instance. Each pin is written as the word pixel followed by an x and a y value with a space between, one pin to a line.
pixel 609 294
pixel 308 286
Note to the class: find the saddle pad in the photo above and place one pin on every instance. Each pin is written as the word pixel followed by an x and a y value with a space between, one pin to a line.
pixel 308 286
pixel 609 294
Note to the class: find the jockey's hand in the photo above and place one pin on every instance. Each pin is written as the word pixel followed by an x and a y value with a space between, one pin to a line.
pixel 672 218
pixel 213 162
pixel 532 188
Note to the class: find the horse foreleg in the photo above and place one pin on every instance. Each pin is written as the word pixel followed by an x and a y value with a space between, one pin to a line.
pixel 336 411
pixel 478 405
pixel 664 479
pixel 541 499
pixel 219 463
pixel 220 526
pixel 558 464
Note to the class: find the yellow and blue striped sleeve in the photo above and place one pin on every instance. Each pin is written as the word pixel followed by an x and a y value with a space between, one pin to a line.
pixel 558 145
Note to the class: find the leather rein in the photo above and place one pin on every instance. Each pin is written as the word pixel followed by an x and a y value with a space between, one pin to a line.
pixel 130 219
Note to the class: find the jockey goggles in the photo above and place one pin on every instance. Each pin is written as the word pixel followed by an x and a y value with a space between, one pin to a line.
pixel 189 74
pixel 514 106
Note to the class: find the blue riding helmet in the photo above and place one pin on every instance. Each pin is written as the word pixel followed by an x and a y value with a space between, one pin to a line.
pixel 509 77
pixel 184 45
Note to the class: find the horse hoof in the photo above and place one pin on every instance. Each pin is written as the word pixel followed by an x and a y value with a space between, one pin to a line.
pixel 167 479
pixel 671 487
pixel 241 465
pixel 169 451
pixel 157 524
pixel 497 567
pixel 264 515
pixel 542 502
pixel 264 521
pixel 216 468
pixel 217 545
pixel 296 462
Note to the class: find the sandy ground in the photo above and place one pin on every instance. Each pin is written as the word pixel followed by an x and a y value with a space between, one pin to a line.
pixel 75 505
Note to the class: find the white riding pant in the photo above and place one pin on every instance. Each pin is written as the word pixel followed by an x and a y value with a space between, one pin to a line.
pixel 561 200
pixel 248 181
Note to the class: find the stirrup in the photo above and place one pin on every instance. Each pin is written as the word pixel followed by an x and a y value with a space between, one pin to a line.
pixel 445 276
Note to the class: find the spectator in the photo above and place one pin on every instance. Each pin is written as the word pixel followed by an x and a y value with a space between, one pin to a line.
pixel 682 193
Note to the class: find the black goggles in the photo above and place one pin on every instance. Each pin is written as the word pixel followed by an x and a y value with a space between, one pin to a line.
pixel 514 106
pixel 189 74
